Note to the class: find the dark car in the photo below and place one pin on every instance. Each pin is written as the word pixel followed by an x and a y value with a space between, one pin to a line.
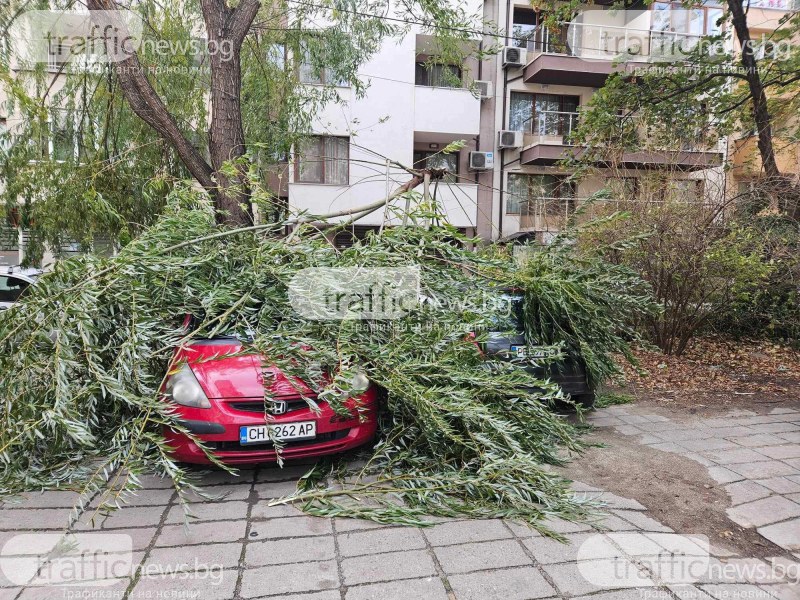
pixel 13 282
pixel 507 341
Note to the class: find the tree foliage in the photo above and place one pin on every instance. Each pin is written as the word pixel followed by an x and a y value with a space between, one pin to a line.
pixel 772 309
pixel 84 355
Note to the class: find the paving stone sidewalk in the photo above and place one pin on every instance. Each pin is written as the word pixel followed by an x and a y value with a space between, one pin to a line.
pixel 756 457
pixel 240 548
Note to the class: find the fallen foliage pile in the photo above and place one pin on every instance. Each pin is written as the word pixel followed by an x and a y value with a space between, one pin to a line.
pixel 715 369
pixel 83 359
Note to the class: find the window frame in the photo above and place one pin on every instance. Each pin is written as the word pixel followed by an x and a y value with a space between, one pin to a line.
pixel 532 117
pixel 423 155
pixel 422 66
pixel 522 40
pixel 320 139
pixel 324 77
pixel 61 130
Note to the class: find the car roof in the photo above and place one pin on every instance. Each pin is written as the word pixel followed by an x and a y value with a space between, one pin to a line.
pixel 27 273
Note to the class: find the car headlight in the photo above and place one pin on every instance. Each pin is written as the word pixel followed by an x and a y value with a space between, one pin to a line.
pixel 184 389
pixel 360 381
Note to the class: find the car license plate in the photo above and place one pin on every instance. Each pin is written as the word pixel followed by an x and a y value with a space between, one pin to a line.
pixel 259 434
pixel 522 352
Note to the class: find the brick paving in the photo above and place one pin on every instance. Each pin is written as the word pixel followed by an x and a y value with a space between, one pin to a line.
pixel 257 551
pixel 754 456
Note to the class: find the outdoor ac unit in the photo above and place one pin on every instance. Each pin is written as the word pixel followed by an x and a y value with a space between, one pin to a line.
pixel 509 139
pixel 481 161
pixel 514 57
pixel 484 89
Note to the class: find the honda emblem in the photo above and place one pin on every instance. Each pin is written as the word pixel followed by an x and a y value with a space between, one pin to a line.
pixel 277 407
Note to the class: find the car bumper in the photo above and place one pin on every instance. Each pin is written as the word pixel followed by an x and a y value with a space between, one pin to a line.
pixel 568 374
pixel 218 428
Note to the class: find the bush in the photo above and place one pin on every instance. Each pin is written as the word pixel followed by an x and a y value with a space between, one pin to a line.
pixel 696 264
pixel 772 309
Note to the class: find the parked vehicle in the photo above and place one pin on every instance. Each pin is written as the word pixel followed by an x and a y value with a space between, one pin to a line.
pixel 508 342
pixel 221 401
pixel 13 282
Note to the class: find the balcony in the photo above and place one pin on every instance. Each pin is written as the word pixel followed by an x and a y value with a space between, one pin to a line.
pixel 586 53
pixel 458 202
pixel 549 142
pixel 446 110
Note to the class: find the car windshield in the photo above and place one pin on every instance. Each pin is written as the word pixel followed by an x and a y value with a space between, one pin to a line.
pixel 11 288
pixel 229 331
pixel 509 317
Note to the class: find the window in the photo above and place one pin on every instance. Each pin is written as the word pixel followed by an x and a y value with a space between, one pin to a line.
pixel 437 160
pixel 520 114
pixel 624 188
pixel 660 188
pixel 676 18
pixel 433 75
pixel 9 238
pixel 63 142
pixel 324 159
pixel 276 54
pixel 59 54
pixel 543 114
pixel 524 26
pixel 547 194
pixel 11 288
pixel 325 76
pixel 315 74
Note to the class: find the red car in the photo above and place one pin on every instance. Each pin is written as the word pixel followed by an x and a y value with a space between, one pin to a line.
pixel 221 401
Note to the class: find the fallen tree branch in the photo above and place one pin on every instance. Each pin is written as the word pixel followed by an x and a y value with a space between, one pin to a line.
pixel 362 211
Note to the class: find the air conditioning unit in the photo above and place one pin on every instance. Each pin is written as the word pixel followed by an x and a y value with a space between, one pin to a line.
pixel 481 161
pixel 509 139
pixel 484 89
pixel 514 57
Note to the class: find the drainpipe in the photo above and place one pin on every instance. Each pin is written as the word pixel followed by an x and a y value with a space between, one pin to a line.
pixel 502 124
pixel 478 137
pixel 502 158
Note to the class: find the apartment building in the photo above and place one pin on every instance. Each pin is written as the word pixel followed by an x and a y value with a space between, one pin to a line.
pixel 546 76
pixel 518 130
pixel 412 110
pixel 514 111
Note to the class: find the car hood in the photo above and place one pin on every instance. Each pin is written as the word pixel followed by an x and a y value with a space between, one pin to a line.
pixel 245 376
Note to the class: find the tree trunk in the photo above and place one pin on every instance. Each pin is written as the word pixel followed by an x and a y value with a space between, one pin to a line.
pixel 226 30
pixel 780 187
pixel 144 100
pixel 758 96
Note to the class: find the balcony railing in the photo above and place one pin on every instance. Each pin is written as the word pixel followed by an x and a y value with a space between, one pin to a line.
pixel 546 213
pixel 552 126
pixel 607 42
